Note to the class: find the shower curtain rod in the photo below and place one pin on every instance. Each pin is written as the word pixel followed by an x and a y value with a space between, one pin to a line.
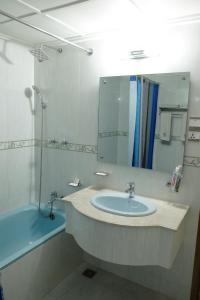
pixel 59 38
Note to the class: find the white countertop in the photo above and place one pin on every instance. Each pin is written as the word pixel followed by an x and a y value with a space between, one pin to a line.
pixel 168 214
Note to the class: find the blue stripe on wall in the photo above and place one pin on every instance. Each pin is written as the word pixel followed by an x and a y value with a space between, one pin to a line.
pixel 136 150
pixel 152 126
pixel 133 78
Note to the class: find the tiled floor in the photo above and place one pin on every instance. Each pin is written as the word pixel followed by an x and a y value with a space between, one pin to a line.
pixel 103 286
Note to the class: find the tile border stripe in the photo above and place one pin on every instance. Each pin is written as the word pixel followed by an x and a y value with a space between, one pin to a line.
pixel 69 146
pixel 7 145
pixel 193 161
pixel 104 134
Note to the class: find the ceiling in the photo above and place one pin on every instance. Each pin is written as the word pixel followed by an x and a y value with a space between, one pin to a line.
pixel 81 18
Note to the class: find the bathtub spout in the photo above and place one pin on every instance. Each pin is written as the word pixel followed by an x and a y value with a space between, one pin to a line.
pixel 54 197
pixel 51 201
pixel 51 216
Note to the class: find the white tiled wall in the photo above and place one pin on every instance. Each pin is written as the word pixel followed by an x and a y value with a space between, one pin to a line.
pixel 16 123
pixel 70 83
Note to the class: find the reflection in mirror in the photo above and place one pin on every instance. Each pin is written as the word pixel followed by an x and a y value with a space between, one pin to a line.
pixel 142 120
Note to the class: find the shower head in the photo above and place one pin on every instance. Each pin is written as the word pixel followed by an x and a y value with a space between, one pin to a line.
pixel 28 92
pixel 39 53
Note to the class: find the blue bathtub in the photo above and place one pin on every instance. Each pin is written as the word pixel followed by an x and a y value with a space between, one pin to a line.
pixel 23 230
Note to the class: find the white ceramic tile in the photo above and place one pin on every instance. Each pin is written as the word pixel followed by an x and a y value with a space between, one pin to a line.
pixel 16 123
pixel 21 176
pixel 4 205
pixel 17 75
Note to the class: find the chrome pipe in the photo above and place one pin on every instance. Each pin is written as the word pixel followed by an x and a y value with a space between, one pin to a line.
pixel 88 51
pixel 41 158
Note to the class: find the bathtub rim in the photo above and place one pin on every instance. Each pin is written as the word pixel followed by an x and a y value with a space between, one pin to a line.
pixel 20 253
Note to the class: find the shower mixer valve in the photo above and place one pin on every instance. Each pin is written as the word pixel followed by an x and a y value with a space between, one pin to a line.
pixel 54 196
pixel 53 141
pixel 64 142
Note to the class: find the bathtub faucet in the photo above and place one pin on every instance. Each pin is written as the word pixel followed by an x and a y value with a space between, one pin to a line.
pixel 54 196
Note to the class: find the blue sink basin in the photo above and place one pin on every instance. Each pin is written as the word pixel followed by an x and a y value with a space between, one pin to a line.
pixel 120 204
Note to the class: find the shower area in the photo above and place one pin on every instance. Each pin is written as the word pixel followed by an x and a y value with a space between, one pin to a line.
pixel 35 141
pixel 38 96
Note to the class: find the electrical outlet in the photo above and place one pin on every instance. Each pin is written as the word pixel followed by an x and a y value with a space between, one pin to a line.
pixel 194 136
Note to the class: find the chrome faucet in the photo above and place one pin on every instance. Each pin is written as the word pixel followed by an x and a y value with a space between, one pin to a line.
pixel 54 196
pixel 131 190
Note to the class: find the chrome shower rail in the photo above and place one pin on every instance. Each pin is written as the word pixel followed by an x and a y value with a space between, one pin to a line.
pixel 59 38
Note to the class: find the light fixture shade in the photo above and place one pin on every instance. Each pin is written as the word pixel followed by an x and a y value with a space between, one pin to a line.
pixel 138 54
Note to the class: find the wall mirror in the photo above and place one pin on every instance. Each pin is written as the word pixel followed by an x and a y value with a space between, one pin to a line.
pixel 142 120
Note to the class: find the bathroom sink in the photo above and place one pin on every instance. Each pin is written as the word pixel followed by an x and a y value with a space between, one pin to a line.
pixel 120 204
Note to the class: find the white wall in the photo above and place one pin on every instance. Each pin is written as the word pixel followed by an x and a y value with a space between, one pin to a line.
pixel 17 125
pixel 71 82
